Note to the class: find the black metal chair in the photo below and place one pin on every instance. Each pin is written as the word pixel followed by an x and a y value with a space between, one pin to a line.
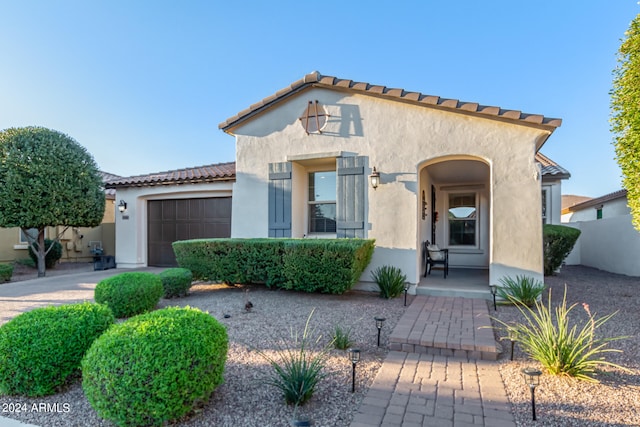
pixel 435 257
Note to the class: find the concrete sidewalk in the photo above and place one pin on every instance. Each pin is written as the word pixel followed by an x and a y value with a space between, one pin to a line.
pixel 18 297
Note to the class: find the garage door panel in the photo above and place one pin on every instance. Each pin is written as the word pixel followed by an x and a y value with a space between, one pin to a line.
pixel 183 219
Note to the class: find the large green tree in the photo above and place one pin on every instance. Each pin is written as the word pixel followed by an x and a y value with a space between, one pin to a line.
pixel 625 119
pixel 47 179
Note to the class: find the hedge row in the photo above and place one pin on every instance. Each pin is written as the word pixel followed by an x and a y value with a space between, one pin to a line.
pixel 310 265
pixel 6 271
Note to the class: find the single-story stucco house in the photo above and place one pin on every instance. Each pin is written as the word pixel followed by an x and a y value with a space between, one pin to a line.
pixel 465 176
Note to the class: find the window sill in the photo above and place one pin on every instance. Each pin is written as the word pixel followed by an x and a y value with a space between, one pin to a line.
pixel 21 246
pixel 460 250
pixel 322 236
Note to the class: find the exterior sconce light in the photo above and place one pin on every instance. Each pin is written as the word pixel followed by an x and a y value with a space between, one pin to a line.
pixel 494 292
pixel 374 178
pixel 122 206
pixel 354 356
pixel 532 377
pixel 379 323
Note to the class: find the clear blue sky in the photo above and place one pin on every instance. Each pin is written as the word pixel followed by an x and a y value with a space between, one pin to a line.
pixel 143 84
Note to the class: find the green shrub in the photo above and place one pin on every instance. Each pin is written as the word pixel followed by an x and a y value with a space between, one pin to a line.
pixel 176 282
pixel 51 257
pixel 309 265
pixel 341 338
pixel 155 367
pixel 521 290
pixel 131 293
pixel 558 241
pixel 41 348
pixel 6 271
pixel 297 370
pixel 562 348
pixel 390 281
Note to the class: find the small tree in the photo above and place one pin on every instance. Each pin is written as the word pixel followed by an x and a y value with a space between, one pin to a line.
pixel 47 179
pixel 625 120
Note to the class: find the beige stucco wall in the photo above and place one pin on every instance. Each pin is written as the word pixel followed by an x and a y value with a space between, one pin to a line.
pixel 400 139
pixel 131 226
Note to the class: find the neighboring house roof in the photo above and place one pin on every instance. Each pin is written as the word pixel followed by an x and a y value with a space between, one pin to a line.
pixel 620 194
pixel 315 79
pixel 207 173
pixel 551 168
pixel 106 176
pixel 569 200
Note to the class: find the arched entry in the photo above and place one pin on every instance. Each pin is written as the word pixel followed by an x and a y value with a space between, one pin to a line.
pixel 456 208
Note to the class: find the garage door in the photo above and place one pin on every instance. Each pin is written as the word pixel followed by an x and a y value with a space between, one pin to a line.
pixel 183 219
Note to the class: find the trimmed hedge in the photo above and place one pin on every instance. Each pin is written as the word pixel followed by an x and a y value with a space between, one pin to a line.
pixel 51 257
pixel 176 282
pixel 558 243
pixel 155 367
pixel 6 271
pixel 310 265
pixel 39 349
pixel 131 293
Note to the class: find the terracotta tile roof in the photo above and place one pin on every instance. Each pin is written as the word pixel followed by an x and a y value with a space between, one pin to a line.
pixel 569 200
pixel 551 168
pixel 106 177
pixel 315 79
pixel 207 173
pixel 598 200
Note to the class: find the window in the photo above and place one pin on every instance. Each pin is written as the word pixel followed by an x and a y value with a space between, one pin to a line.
pixel 544 206
pixel 33 233
pixel 599 212
pixel 322 202
pixel 462 219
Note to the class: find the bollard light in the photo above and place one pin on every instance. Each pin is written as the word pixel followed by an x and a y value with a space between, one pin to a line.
pixel 354 356
pixel 532 377
pixel 494 292
pixel 379 323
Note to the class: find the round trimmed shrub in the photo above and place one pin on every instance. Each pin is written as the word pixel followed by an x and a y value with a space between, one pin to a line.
pixel 128 294
pixel 176 282
pixel 155 367
pixel 39 349
pixel 51 257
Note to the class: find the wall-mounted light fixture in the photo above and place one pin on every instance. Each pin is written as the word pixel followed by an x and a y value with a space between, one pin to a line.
pixel 374 178
pixel 122 206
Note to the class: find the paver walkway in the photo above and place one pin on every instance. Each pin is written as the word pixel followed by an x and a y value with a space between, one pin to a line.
pixel 440 379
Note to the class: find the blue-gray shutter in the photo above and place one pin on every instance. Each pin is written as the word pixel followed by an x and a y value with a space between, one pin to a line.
pixel 280 199
pixel 350 196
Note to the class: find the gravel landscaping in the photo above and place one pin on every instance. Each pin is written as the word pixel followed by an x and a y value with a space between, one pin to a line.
pixel 561 401
pixel 244 399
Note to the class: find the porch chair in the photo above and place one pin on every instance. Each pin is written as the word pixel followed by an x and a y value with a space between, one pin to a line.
pixel 433 255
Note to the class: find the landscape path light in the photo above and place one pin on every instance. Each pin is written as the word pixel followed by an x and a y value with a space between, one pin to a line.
pixel 354 356
pixel 532 377
pixel 379 323
pixel 494 291
pixel 406 289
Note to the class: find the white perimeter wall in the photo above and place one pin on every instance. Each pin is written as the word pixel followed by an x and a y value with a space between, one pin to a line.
pixel 609 244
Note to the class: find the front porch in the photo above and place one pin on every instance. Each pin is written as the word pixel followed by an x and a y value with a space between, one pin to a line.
pixel 461 282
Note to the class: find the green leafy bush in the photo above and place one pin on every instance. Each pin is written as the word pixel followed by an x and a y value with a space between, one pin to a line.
pixel 558 241
pixel 6 271
pixel 155 367
pixel 390 281
pixel 131 293
pixel 176 282
pixel 561 347
pixel 341 338
pixel 52 256
pixel 521 290
pixel 297 369
pixel 309 265
pixel 41 348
